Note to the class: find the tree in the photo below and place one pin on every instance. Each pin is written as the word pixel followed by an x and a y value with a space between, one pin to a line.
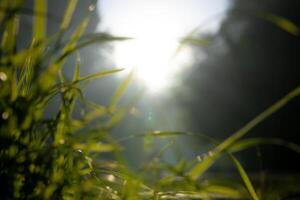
pixel 251 63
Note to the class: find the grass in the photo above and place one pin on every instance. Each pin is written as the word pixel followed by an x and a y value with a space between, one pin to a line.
pixel 66 157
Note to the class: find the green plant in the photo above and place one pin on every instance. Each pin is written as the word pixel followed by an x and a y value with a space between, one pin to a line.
pixel 40 157
pixel 62 157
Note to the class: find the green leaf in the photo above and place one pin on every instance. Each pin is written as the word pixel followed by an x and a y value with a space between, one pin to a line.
pixel 91 39
pixel 40 21
pixel 226 191
pixel 3 8
pixel 245 178
pixel 94 147
pixel 248 143
pixel 68 14
pixel 99 75
pixel 10 34
pixel 119 92
pixel 189 38
pixel 166 133
pixel 201 167
pixel 195 41
pixel 76 75
pixel 48 78
pixel 282 23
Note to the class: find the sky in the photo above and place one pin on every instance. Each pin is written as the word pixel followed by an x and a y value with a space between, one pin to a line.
pixel 157 27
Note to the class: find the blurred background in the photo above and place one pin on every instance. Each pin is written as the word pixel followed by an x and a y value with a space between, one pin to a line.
pixel 236 63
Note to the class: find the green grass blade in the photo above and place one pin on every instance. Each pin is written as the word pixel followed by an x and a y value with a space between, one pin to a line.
pixel 48 78
pixel 119 92
pixel 3 6
pixel 14 86
pixel 94 147
pixel 182 41
pixel 201 167
pixel 76 75
pixel 68 14
pixel 251 142
pixel 282 23
pixel 99 75
pixel 245 178
pixel 195 41
pixel 76 35
pixel 92 39
pixel 40 21
pixel 9 37
pixel 166 133
pixel 224 190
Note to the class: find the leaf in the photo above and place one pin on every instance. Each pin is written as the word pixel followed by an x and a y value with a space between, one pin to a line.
pixel 191 39
pixel 94 147
pixel 3 8
pixel 99 75
pixel 68 14
pixel 76 75
pixel 76 35
pixel 48 78
pixel 166 133
pixel 201 167
pixel 119 92
pixel 247 143
pixel 282 23
pixel 117 117
pixel 195 41
pixel 40 23
pixel 92 39
pixel 245 178
pixel 10 34
pixel 222 190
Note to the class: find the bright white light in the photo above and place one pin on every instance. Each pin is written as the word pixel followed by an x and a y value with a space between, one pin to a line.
pixel 153 59
pixel 156 26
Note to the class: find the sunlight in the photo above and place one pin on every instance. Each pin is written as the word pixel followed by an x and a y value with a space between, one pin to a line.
pixel 152 51
pixel 152 58
pixel 157 27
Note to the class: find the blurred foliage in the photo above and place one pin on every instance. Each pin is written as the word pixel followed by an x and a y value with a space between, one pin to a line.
pixel 66 156
pixel 250 62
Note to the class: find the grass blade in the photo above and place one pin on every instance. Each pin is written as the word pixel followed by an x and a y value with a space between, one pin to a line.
pixel 248 143
pixel 76 75
pixel 282 23
pixel 245 178
pixel 92 39
pixel 166 133
pixel 99 75
pixel 9 37
pixel 119 92
pixel 3 6
pixel 52 71
pixel 200 168
pixel 68 14
pixel 40 21
pixel 195 41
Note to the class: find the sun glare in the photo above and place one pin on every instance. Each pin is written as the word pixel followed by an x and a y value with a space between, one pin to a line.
pixel 156 27
pixel 153 59
pixel 151 52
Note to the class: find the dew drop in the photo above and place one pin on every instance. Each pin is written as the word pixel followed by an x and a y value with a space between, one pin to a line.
pixel 199 159
pixel 5 115
pixel 92 7
pixel 110 178
pixel 3 76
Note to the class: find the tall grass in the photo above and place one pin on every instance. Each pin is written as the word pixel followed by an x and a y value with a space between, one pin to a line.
pixel 63 157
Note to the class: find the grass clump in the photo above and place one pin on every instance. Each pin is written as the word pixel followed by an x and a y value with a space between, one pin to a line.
pixel 62 157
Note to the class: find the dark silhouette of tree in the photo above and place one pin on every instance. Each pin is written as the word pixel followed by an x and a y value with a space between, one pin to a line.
pixel 250 64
